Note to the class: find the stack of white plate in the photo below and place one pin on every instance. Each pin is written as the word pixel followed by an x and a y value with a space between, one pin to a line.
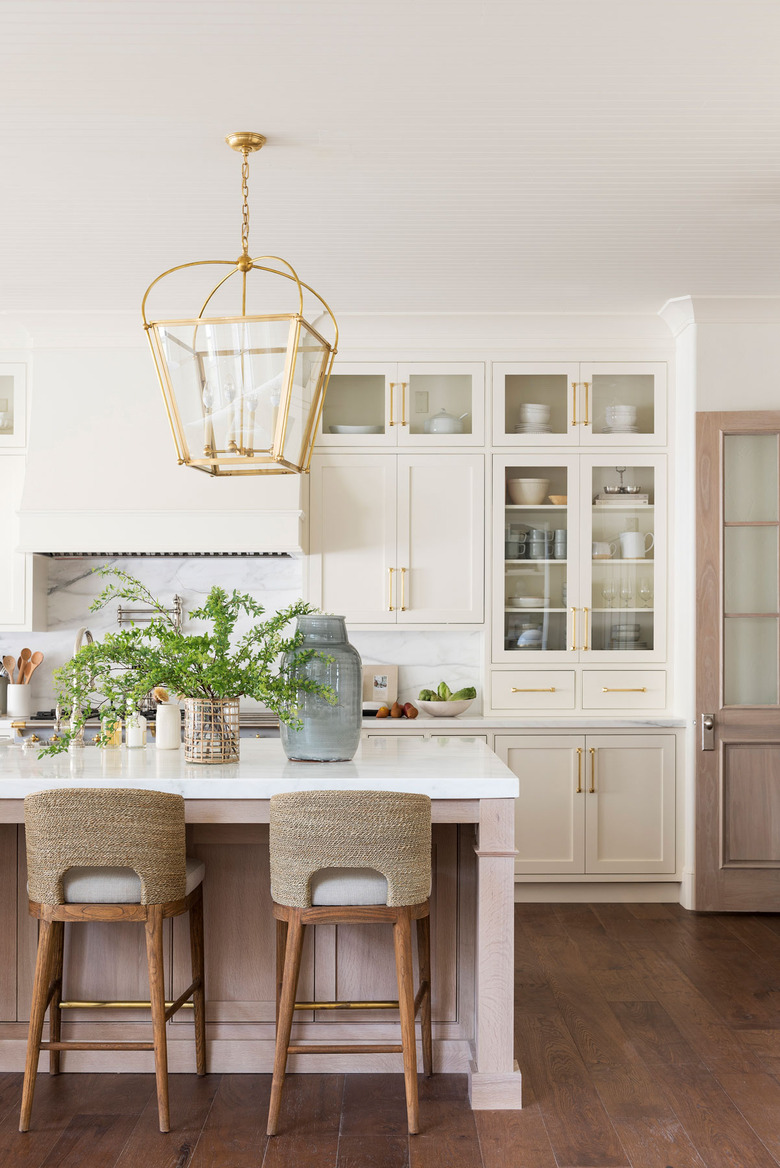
pixel 534 419
pixel 620 420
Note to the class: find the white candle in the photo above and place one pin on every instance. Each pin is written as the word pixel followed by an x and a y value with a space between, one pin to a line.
pixel 168 723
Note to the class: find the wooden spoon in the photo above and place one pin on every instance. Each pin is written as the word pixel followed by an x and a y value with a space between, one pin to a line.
pixel 24 657
pixel 10 666
pixel 32 665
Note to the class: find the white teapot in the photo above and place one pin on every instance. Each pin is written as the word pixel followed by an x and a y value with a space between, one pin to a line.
pixel 444 423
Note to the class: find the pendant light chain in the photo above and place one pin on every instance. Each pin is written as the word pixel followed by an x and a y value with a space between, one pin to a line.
pixel 245 208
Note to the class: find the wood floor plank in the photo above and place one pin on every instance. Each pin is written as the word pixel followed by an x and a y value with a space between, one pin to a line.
pixel 650 1143
pixel 653 1034
pixel 365 1151
pixel 758 1099
pixel 191 1099
pixel 717 1129
pixel 579 1128
pixel 234 1131
pixel 609 962
pixel 90 1138
pixel 448 1135
pixel 374 1105
pixel 509 1139
pixel 309 1125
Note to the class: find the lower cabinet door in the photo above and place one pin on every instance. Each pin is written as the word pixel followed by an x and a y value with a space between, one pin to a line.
pixel 550 809
pixel 630 800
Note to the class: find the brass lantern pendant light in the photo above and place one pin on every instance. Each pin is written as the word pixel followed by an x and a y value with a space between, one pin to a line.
pixel 244 392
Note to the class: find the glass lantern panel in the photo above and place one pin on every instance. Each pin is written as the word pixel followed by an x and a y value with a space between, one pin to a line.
pixel 750 656
pixel 623 403
pixel 536 550
pixel 750 572
pixel 440 404
pixel 354 400
pixel 536 403
pixel 308 371
pixel 226 378
pixel 750 478
pixel 6 404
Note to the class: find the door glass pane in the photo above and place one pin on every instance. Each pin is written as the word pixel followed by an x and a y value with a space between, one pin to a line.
pixel 623 403
pixel 536 403
pixel 354 404
pixel 750 661
pixel 623 558
pixel 536 551
pixel 440 404
pixel 750 478
pixel 750 569
pixel 6 404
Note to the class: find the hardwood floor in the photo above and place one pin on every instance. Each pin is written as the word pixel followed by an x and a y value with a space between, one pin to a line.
pixel 649 1037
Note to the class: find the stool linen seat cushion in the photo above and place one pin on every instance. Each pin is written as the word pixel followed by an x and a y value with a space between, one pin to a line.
pixel 348 886
pixel 117 885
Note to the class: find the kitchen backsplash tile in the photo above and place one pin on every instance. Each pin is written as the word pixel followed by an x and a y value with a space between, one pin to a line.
pixel 423 658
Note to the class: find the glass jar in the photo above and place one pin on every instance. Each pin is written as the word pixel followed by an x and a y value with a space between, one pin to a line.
pixel 330 733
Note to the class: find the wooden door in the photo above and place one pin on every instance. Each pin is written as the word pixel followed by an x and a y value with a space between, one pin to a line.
pixel 550 808
pixel 441 539
pixel 353 537
pixel 630 804
pixel 738 682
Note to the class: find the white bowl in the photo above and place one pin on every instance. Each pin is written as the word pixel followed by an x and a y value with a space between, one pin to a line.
pixel 528 492
pixel 444 709
pixel 355 429
pixel 526 602
pixel 539 413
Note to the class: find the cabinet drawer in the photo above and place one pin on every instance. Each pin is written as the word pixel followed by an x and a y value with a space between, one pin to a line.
pixel 613 689
pixel 525 689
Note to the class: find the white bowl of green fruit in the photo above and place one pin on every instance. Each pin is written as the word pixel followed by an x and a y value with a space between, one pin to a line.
pixel 443 703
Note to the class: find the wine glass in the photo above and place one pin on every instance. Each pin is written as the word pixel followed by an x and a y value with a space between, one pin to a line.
pixel 608 592
pixel 626 594
pixel 646 593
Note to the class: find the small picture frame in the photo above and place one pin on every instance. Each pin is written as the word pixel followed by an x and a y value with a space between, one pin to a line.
pixel 13 405
pixel 380 686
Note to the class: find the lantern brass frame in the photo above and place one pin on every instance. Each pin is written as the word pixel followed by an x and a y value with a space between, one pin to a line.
pixel 271 460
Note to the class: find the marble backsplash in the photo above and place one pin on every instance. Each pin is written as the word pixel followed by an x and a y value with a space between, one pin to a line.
pixel 424 658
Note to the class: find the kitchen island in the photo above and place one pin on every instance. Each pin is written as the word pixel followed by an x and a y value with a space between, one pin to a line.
pixel 227 809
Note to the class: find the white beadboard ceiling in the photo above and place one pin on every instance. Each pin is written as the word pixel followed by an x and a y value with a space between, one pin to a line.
pixel 423 156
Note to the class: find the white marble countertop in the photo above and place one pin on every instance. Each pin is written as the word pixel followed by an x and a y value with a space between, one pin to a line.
pixel 443 770
pixel 481 722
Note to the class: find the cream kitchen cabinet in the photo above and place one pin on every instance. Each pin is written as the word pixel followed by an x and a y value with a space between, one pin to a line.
pixel 22 577
pixel 398 539
pixel 573 403
pixel 593 804
pixel 423 404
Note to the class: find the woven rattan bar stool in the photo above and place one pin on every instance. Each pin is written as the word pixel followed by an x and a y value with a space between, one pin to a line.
pixel 110 855
pixel 352 857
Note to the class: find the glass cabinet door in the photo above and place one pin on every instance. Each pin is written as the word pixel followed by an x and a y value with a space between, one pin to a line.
pixel 534 403
pixel 429 404
pixel 625 542
pixel 12 405
pixel 534 504
pixel 622 404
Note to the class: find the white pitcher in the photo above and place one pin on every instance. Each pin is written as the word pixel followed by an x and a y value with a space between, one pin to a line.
pixel 634 545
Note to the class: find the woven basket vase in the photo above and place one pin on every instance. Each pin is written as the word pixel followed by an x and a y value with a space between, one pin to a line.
pixel 211 730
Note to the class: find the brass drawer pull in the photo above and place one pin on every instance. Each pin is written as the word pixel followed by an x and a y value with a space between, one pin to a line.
pixel 611 689
pixel 403 421
pixel 587 628
pixel 574 403
pixel 573 629
pixel 403 589
pixel 549 689
pixel 592 787
pixel 390 592
pixel 392 395
pixel 587 407
pixel 579 771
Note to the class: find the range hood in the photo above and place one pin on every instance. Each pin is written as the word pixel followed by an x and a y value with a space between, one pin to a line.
pixel 101 475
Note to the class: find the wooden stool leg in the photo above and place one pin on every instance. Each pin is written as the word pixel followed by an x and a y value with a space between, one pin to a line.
pixel 292 967
pixel 154 957
pixel 424 961
pixel 402 938
pixel 281 945
pixel 44 963
pixel 55 1015
pixel 198 972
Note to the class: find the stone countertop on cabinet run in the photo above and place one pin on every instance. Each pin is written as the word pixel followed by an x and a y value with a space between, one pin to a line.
pixel 483 722
pixel 452 770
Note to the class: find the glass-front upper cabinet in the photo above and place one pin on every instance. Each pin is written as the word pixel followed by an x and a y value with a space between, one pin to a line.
pixel 580 568
pixel 12 406
pixel 621 404
pixel 427 403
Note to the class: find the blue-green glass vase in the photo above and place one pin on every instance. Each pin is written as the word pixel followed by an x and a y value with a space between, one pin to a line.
pixel 329 733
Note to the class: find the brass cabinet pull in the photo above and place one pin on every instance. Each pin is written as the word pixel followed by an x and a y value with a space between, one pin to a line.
pixel 579 771
pixel 587 406
pixel 574 628
pixel 574 403
pixel 403 421
pixel 392 395
pixel 592 787
pixel 403 589
pixel 612 689
pixel 390 592
pixel 585 644
pixel 549 689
